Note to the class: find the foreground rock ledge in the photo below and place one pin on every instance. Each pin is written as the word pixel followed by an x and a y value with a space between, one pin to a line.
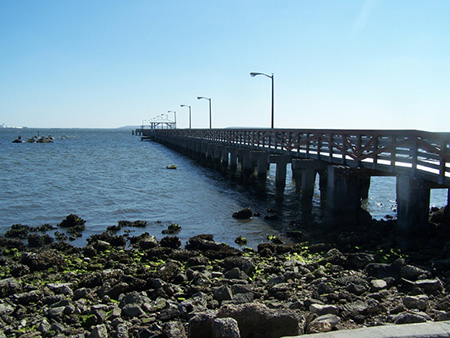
pixel 157 289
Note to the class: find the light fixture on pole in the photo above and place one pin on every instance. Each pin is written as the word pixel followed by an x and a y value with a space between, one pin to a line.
pixel 184 105
pixel 271 77
pixel 174 117
pixel 209 99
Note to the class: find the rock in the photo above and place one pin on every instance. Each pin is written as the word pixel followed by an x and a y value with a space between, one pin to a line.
pixel 43 326
pixel 236 273
pixel 243 263
pixel 243 298
pixel 431 286
pixel 200 326
pixel 280 291
pixel 245 213
pixel 18 231
pixel 223 293
pixel 356 307
pixel 225 328
pixel 132 310
pixel 241 240
pixel 61 288
pixel 411 317
pixel 148 243
pixel 357 289
pixel 412 272
pixel 332 319
pixel 416 302
pixel 27 297
pixel 5 309
pixel 441 216
pixel 172 229
pixel 173 242
pixel 43 260
pixel 9 286
pixel 257 320
pixel 321 309
pixel 18 270
pixel 71 220
pixel 54 312
pixel 377 285
pixel 99 331
pixel 359 260
pixel 121 331
pixel 174 329
pixel 318 326
pixel 381 270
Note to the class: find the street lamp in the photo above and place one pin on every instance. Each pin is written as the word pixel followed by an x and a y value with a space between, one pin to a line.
pixel 209 99
pixel 271 77
pixel 184 105
pixel 174 117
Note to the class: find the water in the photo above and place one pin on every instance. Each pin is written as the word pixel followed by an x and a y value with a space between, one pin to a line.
pixel 105 176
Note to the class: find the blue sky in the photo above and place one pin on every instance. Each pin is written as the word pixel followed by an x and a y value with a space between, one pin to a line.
pixel 355 64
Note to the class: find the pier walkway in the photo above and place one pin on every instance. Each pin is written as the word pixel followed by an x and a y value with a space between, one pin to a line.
pixel 344 160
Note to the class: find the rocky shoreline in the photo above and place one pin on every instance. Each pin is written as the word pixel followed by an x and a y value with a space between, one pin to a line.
pixel 122 286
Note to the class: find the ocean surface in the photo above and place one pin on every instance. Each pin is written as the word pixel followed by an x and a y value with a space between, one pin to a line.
pixel 106 175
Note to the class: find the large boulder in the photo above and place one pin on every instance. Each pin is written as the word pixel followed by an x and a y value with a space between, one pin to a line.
pixel 9 286
pixel 258 321
pixel 245 213
pixel 43 260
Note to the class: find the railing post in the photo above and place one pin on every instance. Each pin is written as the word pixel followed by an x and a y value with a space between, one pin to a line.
pixel 375 157
pixel 330 148
pixel 307 144
pixel 413 154
pixel 393 153
pixel 442 164
pixel 319 145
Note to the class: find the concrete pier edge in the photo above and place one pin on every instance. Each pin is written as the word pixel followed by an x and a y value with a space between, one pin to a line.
pixel 417 330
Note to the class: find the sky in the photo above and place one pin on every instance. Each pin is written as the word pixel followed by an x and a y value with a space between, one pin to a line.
pixel 337 64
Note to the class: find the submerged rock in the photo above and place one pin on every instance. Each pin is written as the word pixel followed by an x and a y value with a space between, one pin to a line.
pixel 245 213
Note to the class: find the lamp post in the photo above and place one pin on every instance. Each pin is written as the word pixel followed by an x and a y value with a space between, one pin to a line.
pixel 209 99
pixel 174 117
pixel 271 77
pixel 184 105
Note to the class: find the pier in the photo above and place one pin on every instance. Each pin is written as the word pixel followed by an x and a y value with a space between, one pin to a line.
pixel 345 160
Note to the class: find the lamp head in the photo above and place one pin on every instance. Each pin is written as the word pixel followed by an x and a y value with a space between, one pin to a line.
pixel 254 74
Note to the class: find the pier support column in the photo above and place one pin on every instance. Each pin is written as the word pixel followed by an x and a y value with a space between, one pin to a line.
pixel 280 174
pixel 210 155
pixel 323 184
pixel 217 154
pixel 413 201
pixel 204 153
pixel 246 162
pixel 233 160
pixel 306 171
pixel 261 159
pixel 343 189
pixel 297 175
pixel 224 160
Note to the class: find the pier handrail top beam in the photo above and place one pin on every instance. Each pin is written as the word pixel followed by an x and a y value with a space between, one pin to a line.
pixel 381 132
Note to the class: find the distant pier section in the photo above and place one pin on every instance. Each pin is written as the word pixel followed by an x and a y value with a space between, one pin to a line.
pixel 345 160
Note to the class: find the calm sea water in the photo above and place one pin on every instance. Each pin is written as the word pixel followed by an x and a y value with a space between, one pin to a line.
pixel 105 176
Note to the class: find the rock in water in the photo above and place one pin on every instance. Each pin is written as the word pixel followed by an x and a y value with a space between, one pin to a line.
pixel 245 213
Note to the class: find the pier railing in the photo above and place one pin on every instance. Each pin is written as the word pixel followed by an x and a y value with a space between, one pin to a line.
pixel 411 152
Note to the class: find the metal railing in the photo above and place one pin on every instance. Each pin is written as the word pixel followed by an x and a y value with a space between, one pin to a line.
pixel 407 152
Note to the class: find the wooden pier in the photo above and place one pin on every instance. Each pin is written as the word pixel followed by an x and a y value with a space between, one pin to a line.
pixel 344 160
